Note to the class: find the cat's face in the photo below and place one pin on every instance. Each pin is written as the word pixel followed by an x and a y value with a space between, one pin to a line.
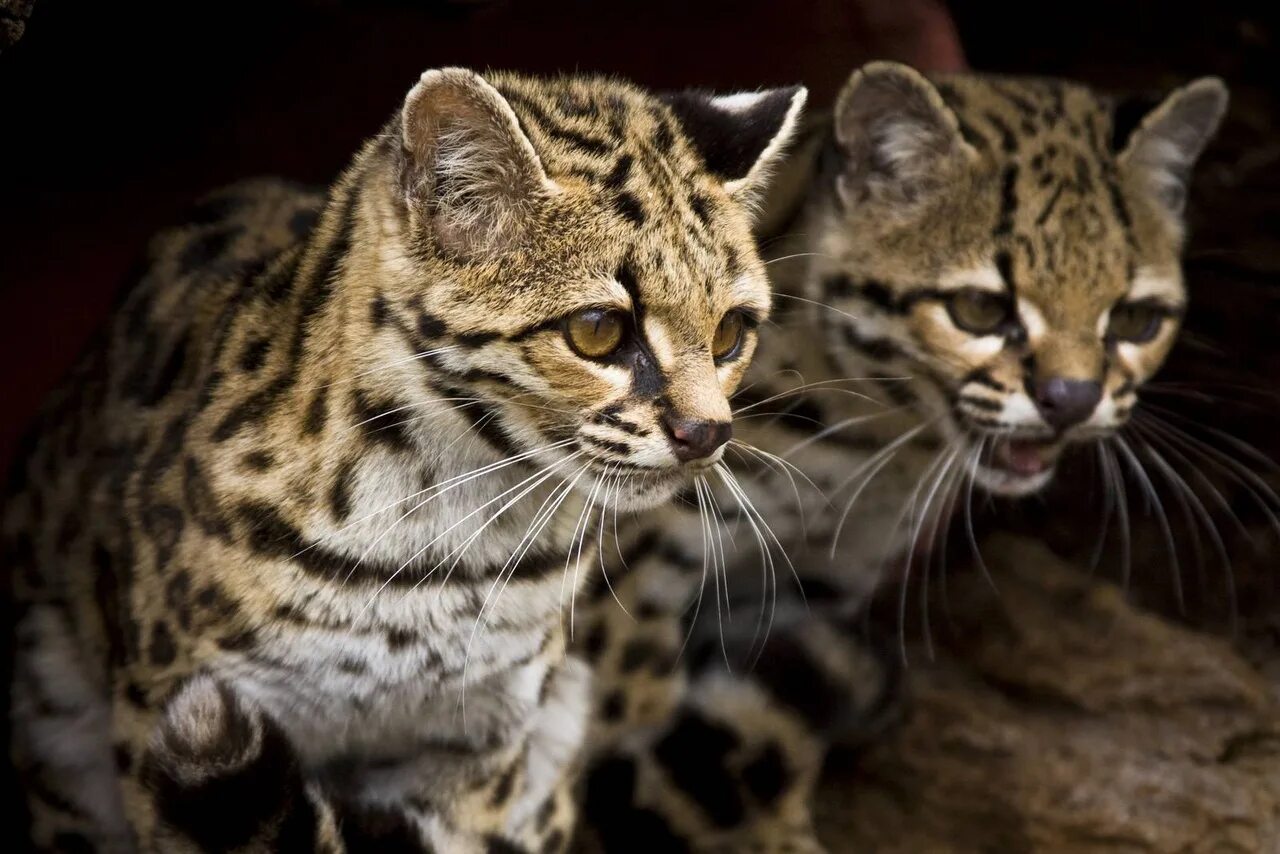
pixel 1011 249
pixel 595 285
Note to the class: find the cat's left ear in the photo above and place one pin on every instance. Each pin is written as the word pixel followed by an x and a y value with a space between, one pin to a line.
pixel 1167 142
pixel 742 137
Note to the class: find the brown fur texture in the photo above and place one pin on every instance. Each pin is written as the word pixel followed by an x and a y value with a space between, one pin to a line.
pixel 290 548
pixel 871 417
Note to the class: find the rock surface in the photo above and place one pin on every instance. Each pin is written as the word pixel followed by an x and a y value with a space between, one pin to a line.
pixel 1056 717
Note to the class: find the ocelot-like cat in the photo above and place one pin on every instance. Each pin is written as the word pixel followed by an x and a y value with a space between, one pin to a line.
pixel 290 551
pixel 972 274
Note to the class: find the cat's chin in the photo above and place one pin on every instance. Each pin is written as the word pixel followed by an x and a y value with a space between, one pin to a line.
pixel 1017 467
pixel 637 493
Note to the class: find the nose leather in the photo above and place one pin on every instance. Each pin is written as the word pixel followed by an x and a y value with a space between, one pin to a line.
pixel 1066 402
pixel 693 439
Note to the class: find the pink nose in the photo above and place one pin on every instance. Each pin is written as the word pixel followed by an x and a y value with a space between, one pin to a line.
pixel 692 439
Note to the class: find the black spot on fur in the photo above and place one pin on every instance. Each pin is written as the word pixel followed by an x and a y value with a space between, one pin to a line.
pixel 618 176
pixel 380 421
pixel 398 639
pixel 340 494
pixel 693 754
pixel 766 776
pixel 878 349
pixel 123 755
pixel 317 413
pixel 594 642
pixel 614 706
pixel 610 786
pixel 1008 200
pixel 506 784
pixel 238 641
pixel 201 502
pixel 839 285
pixel 431 327
pixel 791 675
pixel 628 206
pixel 472 340
pixel 162 648
pixel 701 206
pixel 254 354
pixel 258 461
pixel 177 593
pixel 163 523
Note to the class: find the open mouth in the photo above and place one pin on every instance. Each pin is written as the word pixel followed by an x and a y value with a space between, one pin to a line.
pixel 1017 466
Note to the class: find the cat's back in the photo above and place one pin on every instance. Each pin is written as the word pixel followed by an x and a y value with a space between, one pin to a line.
pixel 143 378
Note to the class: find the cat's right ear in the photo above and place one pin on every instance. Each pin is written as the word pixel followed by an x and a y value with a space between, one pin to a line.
pixel 469 171
pixel 900 141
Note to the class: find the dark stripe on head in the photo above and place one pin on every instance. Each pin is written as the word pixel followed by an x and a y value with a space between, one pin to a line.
pixel 628 206
pixel 340 493
pixel 1008 141
pixel 1008 200
pixel 876 349
pixel 982 377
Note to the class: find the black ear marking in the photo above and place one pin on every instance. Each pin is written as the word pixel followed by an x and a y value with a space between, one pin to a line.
pixel 740 137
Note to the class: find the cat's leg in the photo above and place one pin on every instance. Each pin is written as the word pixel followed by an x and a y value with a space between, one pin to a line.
pixel 716 744
pixel 61 739
pixel 223 776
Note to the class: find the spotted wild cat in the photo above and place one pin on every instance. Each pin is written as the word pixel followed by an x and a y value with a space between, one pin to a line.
pixel 971 274
pixel 291 548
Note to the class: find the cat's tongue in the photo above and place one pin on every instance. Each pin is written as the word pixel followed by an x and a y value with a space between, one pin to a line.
pixel 1024 457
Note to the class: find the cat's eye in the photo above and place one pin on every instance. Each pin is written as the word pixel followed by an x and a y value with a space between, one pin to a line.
pixel 729 334
pixel 979 312
pixel 1137 322
pixel 595 332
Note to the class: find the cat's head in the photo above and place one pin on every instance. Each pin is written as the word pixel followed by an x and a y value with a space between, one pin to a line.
pixel 1012 245
pixel 575 258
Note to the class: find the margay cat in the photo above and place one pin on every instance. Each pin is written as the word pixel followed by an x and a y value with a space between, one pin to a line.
pixel 291 549
pixel 982 271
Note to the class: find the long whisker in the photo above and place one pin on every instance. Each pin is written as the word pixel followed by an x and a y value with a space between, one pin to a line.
pixel 1122 508
pixel 442 486
pixel 968 520
pixel 1144 481
pixel 537 477
pixel 438 490
pixel 1191 501
pixel 872 466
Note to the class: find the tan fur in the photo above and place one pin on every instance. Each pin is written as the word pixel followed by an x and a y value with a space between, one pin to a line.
pixel 319 482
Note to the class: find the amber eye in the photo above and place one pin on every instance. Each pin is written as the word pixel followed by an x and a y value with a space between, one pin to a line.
pixel 729 334
pixel 978 312
pixel 595 333
pixel 1134 321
